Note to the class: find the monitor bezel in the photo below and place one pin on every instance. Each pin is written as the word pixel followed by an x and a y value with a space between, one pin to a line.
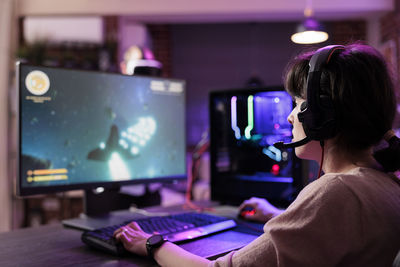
pixel 38 190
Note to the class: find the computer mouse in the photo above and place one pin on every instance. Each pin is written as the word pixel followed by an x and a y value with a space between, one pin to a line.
pixel 247 210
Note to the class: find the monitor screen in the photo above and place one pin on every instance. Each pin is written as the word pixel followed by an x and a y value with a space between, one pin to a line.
pixel 82 129
pixel 245 124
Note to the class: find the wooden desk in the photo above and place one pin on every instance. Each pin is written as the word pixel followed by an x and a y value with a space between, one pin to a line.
pixel 54 245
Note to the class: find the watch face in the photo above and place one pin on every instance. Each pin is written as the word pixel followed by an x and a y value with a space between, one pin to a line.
pixel 155 239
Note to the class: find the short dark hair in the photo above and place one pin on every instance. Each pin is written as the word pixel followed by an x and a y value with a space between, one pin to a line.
pixel 362 90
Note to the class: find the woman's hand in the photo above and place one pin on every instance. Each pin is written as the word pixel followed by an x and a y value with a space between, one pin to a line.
pixel 133 238
pixel 264 211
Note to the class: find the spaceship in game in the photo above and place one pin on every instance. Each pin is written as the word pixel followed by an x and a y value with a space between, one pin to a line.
pixel 113 145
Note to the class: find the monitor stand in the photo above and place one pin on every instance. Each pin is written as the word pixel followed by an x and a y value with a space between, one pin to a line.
pixel 110 207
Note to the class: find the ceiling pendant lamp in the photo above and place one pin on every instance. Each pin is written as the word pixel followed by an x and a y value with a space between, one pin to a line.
pixel 310 31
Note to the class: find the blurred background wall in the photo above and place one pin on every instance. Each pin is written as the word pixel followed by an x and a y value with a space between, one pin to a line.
pixel 212 45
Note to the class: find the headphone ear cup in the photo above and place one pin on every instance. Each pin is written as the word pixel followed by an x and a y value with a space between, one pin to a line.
pixel 319 118
pixel 324 84
pixel 325 100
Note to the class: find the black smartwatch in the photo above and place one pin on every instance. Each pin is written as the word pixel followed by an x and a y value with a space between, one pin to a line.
pixel 153 242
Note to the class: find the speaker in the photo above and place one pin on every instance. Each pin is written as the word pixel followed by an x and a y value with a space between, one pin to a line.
pixel 317 113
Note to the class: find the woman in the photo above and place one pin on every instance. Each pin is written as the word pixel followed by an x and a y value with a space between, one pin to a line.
pixel 350 216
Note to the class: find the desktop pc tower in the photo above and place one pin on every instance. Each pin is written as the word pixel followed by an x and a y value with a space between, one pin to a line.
pixel 244 125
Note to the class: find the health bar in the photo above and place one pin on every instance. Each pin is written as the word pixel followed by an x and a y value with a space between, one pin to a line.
pixel 44 178
pixel 47 171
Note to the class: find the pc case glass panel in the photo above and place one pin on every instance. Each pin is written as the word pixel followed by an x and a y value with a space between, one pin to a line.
pixel 244 127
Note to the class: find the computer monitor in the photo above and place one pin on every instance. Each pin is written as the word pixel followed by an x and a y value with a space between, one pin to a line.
pixel 85 130
pixel 244 125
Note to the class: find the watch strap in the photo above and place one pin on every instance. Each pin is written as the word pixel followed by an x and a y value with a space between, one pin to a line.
pixel 153 242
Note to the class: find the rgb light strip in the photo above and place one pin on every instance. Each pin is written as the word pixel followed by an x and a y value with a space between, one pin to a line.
pixel 234 126
pixel 250 117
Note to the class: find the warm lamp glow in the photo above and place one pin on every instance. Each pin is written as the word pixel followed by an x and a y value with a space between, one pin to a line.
pixel 309 37
pixel 309 32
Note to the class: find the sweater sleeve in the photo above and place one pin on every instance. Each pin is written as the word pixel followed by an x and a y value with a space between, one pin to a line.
pixel 307 233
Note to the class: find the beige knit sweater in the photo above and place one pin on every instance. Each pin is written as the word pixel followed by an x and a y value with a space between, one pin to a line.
pixel 341 219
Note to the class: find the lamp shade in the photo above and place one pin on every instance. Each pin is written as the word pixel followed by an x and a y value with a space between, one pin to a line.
pixel 310 31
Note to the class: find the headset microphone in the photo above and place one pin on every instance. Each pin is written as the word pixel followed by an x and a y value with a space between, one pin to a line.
pixel 281 145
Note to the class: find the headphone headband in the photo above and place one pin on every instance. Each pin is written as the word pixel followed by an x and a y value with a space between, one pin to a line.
pixel 322 57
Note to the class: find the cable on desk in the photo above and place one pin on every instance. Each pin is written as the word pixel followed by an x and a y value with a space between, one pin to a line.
pixel 198 152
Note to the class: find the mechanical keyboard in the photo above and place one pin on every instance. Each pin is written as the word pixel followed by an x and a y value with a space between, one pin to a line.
pixel 175 228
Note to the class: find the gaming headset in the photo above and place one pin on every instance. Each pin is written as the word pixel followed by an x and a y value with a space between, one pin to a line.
pixel 317 113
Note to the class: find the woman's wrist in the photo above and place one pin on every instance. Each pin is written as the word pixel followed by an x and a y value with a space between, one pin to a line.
pixel 160 251
pixel 153 243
